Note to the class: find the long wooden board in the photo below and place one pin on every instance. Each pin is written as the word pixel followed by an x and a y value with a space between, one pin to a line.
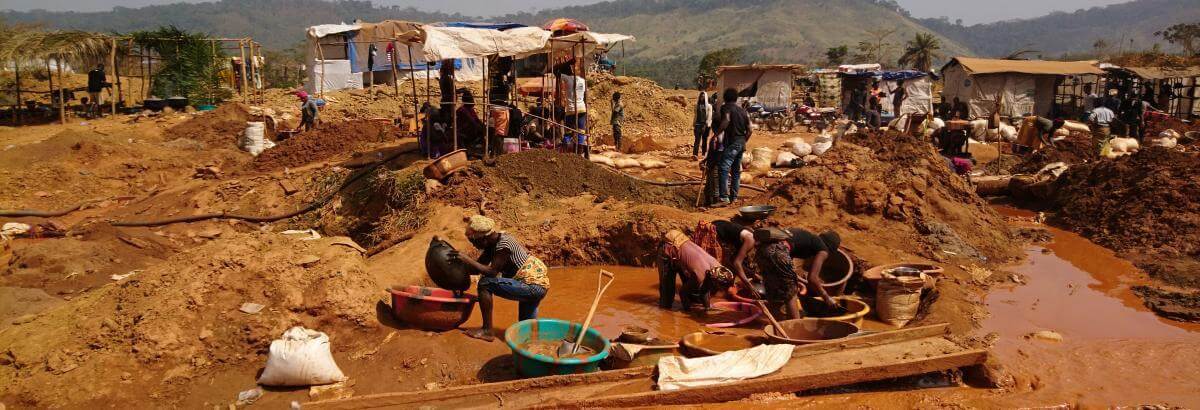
pixel 865 358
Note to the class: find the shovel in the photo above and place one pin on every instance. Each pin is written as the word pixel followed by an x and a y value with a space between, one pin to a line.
pixel 568 348
pixel 763 306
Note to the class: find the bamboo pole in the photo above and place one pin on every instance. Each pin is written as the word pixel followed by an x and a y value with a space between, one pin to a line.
pixel 428 118
pixel 245 84
pixel 49 81
pixel 112 58
pixel 395 57
pixel 321 60
pixel 412 77
pixel 62 93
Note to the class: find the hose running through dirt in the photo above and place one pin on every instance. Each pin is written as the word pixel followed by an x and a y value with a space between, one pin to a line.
pixel 271 218
pixel 17 213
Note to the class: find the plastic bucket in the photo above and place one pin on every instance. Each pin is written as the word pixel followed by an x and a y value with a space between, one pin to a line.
pixel 431 308
pixel 836 272
pixel 512 145
pixel 535 365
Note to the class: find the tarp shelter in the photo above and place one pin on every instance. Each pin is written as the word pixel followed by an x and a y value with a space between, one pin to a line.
pixel 1024 87
pixel 856 76
pixel 770 85
pixel 1174 88
pixel 918 89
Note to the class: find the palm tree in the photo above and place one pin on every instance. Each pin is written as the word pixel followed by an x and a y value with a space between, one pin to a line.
pixel 920 52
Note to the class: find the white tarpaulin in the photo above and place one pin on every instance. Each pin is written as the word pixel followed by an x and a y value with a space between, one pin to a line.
pixel 323 30
pixel 918 97
pixel 585 42
pixel 461 42
pixel 676 372
pixel 337 76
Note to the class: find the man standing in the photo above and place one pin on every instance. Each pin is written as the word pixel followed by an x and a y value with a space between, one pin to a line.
pixel 1101 118
pixel 95 85
pixel 858 103
pixel 1133 115
pixel 574 92
pixel 618 116
pixel 701 124
pixel 735 126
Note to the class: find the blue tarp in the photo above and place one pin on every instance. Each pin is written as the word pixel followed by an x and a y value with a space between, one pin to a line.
pixel 901 75
pixel 490 26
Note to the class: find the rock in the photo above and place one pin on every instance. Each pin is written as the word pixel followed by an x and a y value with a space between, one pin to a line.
pixel 108 323
pixel 339 390
pixel 58 363
pixel 209 234
pixel 126 376
pixel 288 187
pixel 205 334
pixel 247 397
pixel 208 172
pixel 251 308
pixel 23 319
pixel 432 185
pixel 307 260
pixel 7 358
pixel 1047 335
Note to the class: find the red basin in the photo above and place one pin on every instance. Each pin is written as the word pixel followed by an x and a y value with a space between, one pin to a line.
pixel 431 308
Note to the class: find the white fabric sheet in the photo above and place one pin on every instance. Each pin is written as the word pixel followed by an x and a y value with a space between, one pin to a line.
pixel 460 42
pixel 327 29
pixel 676 372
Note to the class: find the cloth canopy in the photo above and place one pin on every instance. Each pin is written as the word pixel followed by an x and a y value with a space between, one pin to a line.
pixel 327 29
pixel 463 42
pixel 992 66
pixel 584 43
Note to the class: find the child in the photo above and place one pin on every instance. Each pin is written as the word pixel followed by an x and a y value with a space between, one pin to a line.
pixel 618 115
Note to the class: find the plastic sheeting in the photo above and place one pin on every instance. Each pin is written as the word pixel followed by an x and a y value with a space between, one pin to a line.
pixel 1018 92
pixel 676 372
pixel 323 30
pixel 337 76
pixel 461 42
pixel 918 99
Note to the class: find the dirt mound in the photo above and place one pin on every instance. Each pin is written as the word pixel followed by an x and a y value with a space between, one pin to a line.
pixel 329 140
pixel 900 184
pixel 1075 149
pixel 1145 205
pixel 650 110
pixel 542 172
pixel 179 320
pixel 219 128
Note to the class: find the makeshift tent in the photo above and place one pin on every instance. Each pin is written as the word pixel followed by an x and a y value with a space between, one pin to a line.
pixel 341 54
pixel 1023 87
pixel 918 89
pixel 770 85
pixel 1175 89
pixel 856 76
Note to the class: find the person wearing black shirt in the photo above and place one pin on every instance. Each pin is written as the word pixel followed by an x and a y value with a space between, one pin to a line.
pixel 95 85
pixel 735 131
pixel 739 240
pixel 814 249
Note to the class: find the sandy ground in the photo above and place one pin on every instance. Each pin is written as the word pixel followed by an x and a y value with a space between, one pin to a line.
pixel 171 335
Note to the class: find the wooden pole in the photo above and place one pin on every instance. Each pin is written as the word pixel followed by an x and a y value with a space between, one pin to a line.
pixel 428 118
pixel 395 58
pixel 17 112
pixel 487 134
pixel 62 93
pixel 49 81
pixel 454 106
pixel 245 84
pixel 321 58
pixel 112 58
pixel 412 77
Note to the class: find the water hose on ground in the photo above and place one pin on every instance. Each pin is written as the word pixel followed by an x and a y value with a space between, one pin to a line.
pixel 270 218
pixel 16 213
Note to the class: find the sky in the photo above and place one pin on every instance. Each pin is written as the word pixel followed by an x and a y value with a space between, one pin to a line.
pixel 970 11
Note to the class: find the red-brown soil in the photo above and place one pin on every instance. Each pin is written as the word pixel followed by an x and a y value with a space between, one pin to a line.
pixel 328 140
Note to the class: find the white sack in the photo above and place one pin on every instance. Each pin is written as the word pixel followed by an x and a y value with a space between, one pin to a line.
pixel 300 358
pixel 653 164
pixel 602 160
pixel 253 141
pixel 785 159
pixel 627 163
pixel 802 149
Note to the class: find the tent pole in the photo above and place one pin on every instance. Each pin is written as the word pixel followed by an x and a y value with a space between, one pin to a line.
pixel 395 81
pixel 112 58
pixel 622 58
pixel 62 93
pixel 245 84
pixel 412 78
pixel 487 134
pixel 454 106
pixel 50 81
pixel 428 118
pixel 321 58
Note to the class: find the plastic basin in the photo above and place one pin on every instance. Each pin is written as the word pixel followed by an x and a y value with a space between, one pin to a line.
pixel 810 330
pixel 856 310
pixel 836 272
pixel 535 365
pixel 750 309
pixel 431 308
pixel 447 164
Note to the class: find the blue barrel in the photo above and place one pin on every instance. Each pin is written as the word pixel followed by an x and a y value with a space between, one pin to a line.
pixel 536 365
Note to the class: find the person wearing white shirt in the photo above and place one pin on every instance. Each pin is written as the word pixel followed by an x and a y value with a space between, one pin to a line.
pixel 1101 118
pixel 574 92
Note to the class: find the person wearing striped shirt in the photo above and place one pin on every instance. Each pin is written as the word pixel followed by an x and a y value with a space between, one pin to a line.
pixel 507 270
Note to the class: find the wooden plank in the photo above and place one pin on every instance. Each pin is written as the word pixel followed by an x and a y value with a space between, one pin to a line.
pixel 877 339
pixel 488 389
pixel 787 384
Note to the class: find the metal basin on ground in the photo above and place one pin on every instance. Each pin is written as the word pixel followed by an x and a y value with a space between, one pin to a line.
pixel 701 344
pixel 431 308
pixel 756 212
pixel 873 275
pixel 810 330
pixel 530 364
pixel 855 311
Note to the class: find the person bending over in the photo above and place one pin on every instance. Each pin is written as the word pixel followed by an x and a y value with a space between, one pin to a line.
pixel 508 271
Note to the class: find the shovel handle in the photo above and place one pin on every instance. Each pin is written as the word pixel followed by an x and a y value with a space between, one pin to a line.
pixel 763 306
pixel 587 321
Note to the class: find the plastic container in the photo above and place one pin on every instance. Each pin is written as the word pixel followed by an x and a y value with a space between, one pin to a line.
pixel 836 271
pixel 536 365
pixel 512 145
pixel 810 330
pixel 177 102
pixel 431 308
pixel 856 310
pixel 447 274
pixel 873 275
pixel 447 164
pixel 751 310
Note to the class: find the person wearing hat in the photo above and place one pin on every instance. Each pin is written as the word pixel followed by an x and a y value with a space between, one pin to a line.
pixel 308 111
pixel 508 271
pixel 702 275
pixel 776 249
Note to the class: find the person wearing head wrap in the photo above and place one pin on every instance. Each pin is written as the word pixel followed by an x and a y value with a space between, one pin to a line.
pixel 701 274
pixel 507 270
pixel 308 111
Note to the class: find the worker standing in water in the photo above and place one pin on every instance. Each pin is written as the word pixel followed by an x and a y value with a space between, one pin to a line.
pixel 776 249
pixel 508 271
pixel 701 274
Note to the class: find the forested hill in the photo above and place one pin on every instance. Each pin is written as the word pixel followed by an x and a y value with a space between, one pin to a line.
pixel 277 24
pixel 1058 33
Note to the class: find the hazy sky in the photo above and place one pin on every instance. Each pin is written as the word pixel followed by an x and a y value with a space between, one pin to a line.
pixel 970 11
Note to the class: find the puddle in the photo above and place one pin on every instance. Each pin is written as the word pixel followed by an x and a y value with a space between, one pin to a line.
pixel 632 300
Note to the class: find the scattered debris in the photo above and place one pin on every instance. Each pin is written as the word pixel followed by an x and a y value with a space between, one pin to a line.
pixel 1046 335
pixel 248 397
pixel 251 308
pixel 122 277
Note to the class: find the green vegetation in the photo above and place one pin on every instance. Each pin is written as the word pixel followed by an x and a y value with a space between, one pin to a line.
pixel 835 56
pixel 1186 35
pixel 706 71
pixel 920 52
pixel 189 64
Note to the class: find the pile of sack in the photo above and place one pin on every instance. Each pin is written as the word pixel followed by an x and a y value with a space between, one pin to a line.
pixel 1166 139
pixel 615 160
pixel 1118 147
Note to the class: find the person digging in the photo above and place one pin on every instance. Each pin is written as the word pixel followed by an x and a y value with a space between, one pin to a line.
pixel 507 270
